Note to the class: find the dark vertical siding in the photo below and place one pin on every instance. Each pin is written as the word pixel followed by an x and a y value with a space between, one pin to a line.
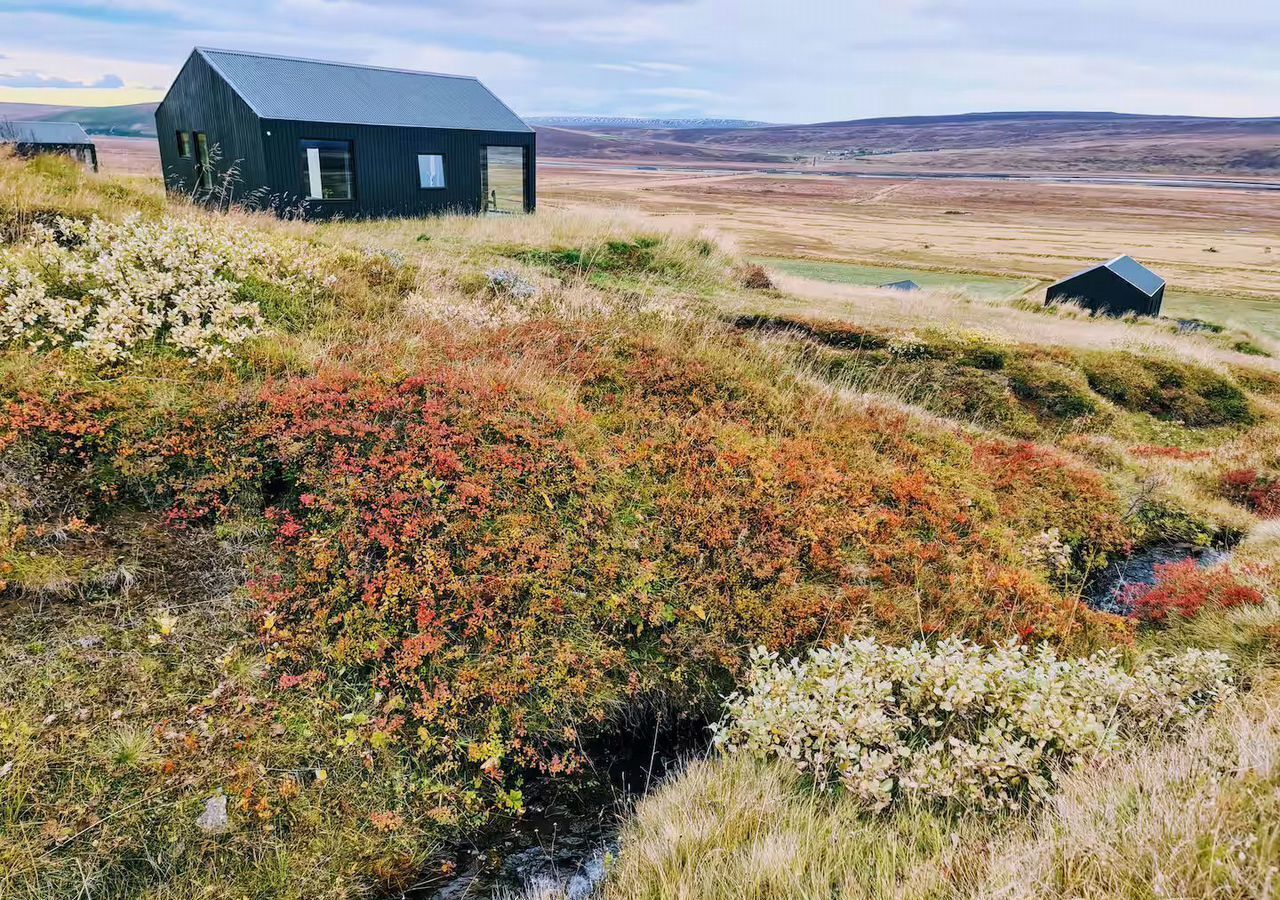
pixel 25 149
pixel 386 166
pixel 267 156
pixel 531 173
pixel 200 100
pixel 1102 290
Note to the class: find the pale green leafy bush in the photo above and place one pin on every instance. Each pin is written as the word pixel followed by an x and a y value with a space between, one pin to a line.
pixel 956 723
pixel 107 288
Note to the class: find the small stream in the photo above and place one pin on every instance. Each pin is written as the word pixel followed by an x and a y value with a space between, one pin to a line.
pixel 560 852
pixel 1105 590
pixel 560 846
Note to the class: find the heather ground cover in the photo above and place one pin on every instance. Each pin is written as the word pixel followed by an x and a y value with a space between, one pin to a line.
pixel 366 533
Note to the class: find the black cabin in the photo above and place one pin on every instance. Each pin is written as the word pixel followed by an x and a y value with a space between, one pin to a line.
pixel 65 138
pixel 1117 288
pixel 335 139
pixel 907 285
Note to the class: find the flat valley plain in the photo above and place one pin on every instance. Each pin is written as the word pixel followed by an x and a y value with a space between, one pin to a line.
pixel 1218 248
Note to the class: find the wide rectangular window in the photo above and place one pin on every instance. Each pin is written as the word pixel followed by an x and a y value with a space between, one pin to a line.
pixel 430 170
pixel 327 171
pixel 184 145
pixel 204 165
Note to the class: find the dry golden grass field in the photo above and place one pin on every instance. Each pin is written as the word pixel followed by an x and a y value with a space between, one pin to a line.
pixel 1219 249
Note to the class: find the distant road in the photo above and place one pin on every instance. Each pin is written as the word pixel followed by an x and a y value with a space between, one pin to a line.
pixel 1164 181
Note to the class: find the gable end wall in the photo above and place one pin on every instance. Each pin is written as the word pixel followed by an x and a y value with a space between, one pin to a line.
pixel 200 100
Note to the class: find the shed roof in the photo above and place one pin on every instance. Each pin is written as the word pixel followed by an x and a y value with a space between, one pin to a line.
pixel 43 133
pixel 1136 274
pixel 907 285
pixel 309 90
pixel 1130 270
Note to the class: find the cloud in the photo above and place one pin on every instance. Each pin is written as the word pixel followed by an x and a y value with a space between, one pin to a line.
pixel 29 79
pixel 644 68
pixel 739 58
pixel 677 93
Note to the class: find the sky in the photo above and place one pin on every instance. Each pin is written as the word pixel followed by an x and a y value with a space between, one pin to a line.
pixel 805 61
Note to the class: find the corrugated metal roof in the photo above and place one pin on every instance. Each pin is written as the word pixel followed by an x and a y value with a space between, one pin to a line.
pixel 1127 268
pixel 1136 274
pixel 308 90
pixel 42 133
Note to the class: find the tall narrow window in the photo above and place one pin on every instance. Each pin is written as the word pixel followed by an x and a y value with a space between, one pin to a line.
pixel 503 175
pixel 204 167
pixel 430 170
pixel 184 145
pixel 327 172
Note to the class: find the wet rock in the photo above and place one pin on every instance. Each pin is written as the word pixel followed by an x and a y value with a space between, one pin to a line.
pixel 1106 591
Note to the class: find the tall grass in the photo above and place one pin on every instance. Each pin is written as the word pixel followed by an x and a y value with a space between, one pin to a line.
pixel 1196 818
pixel 957 311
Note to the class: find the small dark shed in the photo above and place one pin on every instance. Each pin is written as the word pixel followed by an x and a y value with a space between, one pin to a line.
pixel 907 285
pixel 337 139
pixel 66 138
pixel 1116 288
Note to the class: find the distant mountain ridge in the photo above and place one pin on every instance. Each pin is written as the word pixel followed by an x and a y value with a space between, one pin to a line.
pixel 1044 141
pixel 133 120
pixel 590 123
pixel 1035 116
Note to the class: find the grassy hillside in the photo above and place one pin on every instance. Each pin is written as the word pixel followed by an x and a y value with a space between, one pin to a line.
pixel 330 548
pixel 134 120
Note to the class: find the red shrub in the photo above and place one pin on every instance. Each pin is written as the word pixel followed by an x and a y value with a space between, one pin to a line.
pixel 1258 491
pixel 1151 451
pixel 1184 589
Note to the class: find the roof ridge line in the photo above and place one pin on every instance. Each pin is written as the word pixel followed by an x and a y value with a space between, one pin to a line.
pixel 334 62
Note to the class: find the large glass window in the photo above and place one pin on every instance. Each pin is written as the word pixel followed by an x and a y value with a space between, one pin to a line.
pixel 204 166
pixel 430 170
pixel 184 145
pixel 503 179
pixel 327 171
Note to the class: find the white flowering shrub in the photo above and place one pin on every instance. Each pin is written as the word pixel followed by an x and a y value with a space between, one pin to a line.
pixel 956 723
pixel 908 346
pixel 1051 551
pixel 504 281
pixel 106 288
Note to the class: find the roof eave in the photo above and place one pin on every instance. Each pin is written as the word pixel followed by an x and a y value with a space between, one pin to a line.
pixel 276 118
pixel 204 54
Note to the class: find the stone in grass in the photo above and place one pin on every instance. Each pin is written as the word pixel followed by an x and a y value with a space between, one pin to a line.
pixel 214 818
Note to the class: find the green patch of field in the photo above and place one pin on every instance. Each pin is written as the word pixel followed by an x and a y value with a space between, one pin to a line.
pixel 849 273
pixel 1257 314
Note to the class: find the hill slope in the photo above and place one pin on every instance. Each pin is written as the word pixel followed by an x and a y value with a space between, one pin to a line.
pixel 1045 141
pixel 326 551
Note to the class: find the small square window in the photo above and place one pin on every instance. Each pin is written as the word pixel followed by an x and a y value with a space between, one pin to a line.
pixel 430 170
pixel 184 145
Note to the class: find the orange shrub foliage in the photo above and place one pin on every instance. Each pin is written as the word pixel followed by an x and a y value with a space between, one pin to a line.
pixel 511 568
pixel 1177 454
